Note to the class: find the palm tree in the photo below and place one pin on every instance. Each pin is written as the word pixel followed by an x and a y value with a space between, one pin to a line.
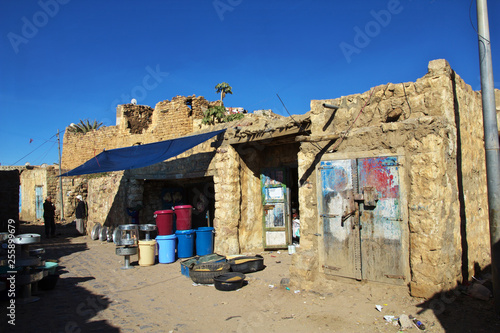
pixel 84 126
pixel 223 88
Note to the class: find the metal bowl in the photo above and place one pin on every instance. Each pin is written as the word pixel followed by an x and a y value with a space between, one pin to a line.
pixel 117 236
pixel 103 235
pixel 96 230
pixel 24 239
pixel 109 234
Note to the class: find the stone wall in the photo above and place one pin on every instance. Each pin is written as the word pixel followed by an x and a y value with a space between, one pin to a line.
pixel 417 121
pixel 227 201
pixel 471 169
pixel 107 200
pixel 9 199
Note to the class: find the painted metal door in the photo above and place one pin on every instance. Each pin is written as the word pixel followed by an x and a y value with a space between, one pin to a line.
pixel 362 219
pixel 380 219
pixel 340 229
pixel 39 201
pixel 274 201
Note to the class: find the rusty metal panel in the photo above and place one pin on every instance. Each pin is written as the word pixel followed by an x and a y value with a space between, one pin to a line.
pixel 340 232
pixel 381 246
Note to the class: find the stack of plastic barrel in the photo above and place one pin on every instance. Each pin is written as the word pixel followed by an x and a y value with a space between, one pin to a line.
pixel 166 239
pixel 184 236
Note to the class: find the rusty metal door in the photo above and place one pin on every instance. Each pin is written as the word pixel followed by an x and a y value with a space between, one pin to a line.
pixel 274 200
pixel 362 219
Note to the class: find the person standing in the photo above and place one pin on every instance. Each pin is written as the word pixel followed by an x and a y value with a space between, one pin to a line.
pixel 49 212
pixel 81 214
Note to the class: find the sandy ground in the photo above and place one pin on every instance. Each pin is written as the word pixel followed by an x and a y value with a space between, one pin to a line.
pixel 95 294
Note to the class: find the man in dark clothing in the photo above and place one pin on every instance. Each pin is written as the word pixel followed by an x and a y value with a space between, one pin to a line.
pixel 49 212
pixel 80 214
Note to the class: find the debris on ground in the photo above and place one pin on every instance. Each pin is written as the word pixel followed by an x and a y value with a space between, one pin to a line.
pixel 405 322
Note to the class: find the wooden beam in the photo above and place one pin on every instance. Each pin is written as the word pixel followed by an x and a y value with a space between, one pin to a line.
pixel 316 138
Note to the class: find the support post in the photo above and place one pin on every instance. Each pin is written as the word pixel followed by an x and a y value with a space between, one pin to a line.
pixel 60 178
pixel 491 144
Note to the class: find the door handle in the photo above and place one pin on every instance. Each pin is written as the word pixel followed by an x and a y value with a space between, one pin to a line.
pixel 346 216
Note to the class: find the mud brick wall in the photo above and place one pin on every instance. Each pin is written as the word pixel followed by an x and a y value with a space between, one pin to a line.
pixel 9 198
pixel 136 124
pixel 435 125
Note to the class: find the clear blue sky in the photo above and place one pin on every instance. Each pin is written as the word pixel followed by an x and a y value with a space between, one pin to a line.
pixel 66 60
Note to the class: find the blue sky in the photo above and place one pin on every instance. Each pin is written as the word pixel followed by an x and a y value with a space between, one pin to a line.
pixel 66 60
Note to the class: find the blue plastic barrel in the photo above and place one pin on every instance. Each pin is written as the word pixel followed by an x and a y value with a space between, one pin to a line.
pixel 204 241
pixel 166 248
pixel 185 244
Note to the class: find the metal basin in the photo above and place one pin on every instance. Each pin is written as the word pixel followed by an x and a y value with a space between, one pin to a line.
pixel 128 227
pixel 28 262
pixel 147 227
pixel 126 251
pixel 24 239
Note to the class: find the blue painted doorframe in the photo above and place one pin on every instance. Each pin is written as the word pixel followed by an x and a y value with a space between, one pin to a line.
pixel 275 203
pixel 362 224
pixel 39 202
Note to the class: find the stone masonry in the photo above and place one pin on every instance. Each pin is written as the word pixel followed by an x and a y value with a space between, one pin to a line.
pixel 435 125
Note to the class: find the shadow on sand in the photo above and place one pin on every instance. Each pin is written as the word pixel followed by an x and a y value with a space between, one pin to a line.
pixel 460 309
pixel 66 308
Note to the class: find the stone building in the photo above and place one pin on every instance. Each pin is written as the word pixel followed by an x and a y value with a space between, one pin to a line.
pixel 28 186
pixel 393 186
pixel 37 183
pixel 390 184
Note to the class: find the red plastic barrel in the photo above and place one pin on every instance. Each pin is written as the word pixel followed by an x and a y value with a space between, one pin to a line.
pixel 164 222
pixel 183 214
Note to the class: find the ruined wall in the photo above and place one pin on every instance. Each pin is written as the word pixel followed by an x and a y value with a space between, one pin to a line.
pixel 418 121
pixel 136 124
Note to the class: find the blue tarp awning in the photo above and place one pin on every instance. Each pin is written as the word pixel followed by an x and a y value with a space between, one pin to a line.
pixel 139 156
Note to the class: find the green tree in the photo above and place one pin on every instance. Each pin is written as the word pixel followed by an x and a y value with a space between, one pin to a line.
pixel 223 89
pixel 84 126
pixel 217 114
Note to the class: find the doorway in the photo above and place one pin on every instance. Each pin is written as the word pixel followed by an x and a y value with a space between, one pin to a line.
pixel 39 202
pixel 279 197
pixel 361 219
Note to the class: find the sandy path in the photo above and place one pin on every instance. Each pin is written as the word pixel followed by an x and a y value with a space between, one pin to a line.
pixel 95 294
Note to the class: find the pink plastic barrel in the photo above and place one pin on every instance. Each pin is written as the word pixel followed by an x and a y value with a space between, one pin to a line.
pixel 183 215
pixel 164 222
